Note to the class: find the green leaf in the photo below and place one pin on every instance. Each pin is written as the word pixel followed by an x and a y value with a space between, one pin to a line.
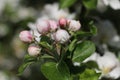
pixel 23 67
pixel 93 29
pixel 45 56
pixel 89 74
pixel 90 4
pixel 83 34
pixel 45 38
pixel 83 51
pixel 54 71
pixel 72 45
pixel 66 3
pixel 27 61
pixel 29 58
pixel 91 64
pixel 46 45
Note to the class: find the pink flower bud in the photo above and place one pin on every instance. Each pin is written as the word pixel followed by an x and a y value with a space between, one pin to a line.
pixel 43 26
pixel 62 22
pixel 26 36
pixel 74 25
pixel 34 50
pixel 53 25
pixel 61 36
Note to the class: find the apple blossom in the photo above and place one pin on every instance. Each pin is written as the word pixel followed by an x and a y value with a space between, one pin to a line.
pixel 26 36
pixel 52 11
pixel 34 31
pixel 42 26
pixel 53 25
pixel 108 64
pixel 61 36
pixel 34 50
pixel 74 25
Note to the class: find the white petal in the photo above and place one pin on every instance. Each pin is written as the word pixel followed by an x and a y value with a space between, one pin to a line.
pixel 108 60
pixel 32 26
pixel 106 2
pixel 93 57
pixel 115 73
pixel 115 4
pixel 116 38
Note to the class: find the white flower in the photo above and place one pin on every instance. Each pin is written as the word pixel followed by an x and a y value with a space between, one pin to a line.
pixel 42 26
pixel 115 41
pixel 115 73
pixel 26 36
pixel 74 25
pixel 53 12
pixel 107 34
pixel 61 36
pixel 114 4
pixel 53 25
pixel 34 50
pixel 34 31
pixel 108 64
pixel 101 7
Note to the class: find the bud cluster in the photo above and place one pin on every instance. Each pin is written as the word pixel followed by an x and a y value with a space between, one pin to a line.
pixel 57 31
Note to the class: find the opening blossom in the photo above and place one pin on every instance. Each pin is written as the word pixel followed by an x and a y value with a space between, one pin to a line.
pixel 34 31
pixel 53 25
pixel 52 11
pixel 108 64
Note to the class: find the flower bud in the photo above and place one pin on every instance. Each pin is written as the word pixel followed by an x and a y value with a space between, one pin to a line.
pixel 62 22
pixel 74 25
pixel 53 25
pixel 26 36
pixel 34 50
pixel 42 26
pixel 61 36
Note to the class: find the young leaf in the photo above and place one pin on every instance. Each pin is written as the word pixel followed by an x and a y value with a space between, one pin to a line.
pixel 83 50
pixel 90 4
pixel 23 67
pixel 66 3
pixel 46 45
pixel 89 74
pixel 72 45
pixel 54 71
pixel 91 64
pixel 27 61
pixel 83 34
pixel 93 29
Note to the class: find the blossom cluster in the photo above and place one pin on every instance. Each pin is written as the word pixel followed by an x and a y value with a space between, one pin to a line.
pixel 58 31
